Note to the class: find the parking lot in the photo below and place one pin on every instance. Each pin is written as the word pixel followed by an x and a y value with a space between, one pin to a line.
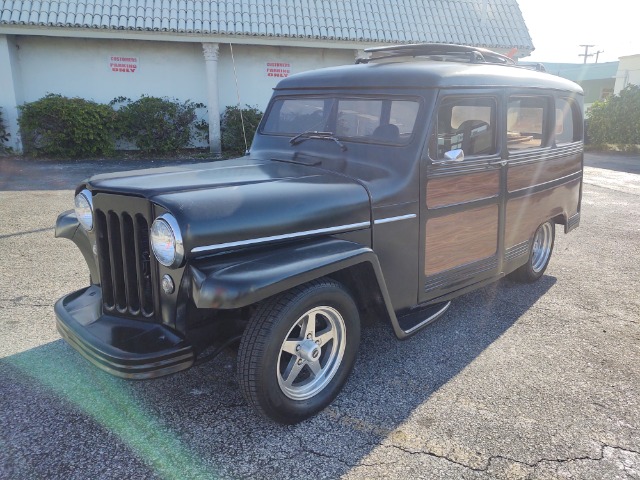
pixel 514 382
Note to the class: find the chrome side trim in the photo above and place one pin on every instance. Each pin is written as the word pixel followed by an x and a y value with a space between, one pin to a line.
pixel 257 241
pixel 395 219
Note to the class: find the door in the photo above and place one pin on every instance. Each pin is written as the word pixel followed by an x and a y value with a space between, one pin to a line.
pixel 461 206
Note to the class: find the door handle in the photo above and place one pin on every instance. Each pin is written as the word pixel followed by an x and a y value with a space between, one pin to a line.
pixel 502 163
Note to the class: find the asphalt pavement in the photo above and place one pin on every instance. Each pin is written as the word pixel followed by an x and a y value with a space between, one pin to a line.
pixel 514 382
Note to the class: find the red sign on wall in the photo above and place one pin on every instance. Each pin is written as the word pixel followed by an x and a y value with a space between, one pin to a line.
pixel 123 64
pixel 278 69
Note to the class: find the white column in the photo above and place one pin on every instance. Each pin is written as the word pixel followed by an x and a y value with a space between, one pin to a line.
pixel 10 92
pixel 211 52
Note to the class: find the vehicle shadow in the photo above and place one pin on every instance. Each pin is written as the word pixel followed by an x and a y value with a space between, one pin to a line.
pixel 197 425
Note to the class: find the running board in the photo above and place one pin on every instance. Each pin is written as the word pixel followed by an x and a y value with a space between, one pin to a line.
pixel 413 322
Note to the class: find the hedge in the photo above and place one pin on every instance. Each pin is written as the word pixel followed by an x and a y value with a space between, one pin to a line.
pixel 4 135
pixel 231 128
pixel 155 124
pixel 70 127
pixel 616 120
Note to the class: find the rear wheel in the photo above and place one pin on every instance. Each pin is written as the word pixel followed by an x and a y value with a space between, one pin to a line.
pixel 539 255
pixel 298 350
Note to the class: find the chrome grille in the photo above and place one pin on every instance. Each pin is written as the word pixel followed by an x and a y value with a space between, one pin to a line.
pixel 125 263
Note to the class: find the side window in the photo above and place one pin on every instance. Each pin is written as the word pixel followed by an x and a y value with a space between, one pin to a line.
pixel 568 122
pixel 467 124
pixel 526 122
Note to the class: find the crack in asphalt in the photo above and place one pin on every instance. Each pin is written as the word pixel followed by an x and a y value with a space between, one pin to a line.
pixel 534 465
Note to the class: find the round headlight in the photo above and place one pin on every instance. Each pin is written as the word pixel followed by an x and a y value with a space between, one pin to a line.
pixel 84 209
pixel 166 241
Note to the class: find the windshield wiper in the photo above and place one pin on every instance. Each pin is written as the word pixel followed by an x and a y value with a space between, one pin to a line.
pixel 301 137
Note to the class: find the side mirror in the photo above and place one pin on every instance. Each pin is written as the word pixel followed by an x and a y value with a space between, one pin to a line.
pixel 456 155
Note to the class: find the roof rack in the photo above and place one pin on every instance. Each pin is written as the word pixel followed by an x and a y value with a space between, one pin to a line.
pixel 438 52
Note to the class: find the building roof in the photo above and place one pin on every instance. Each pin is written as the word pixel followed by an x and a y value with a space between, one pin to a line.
pixel 486 23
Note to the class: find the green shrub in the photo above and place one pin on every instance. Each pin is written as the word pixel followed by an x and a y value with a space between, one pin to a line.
pixel 4 135
pixel 231 128
pixel 616 120
pixel 155 124
pixel 66 127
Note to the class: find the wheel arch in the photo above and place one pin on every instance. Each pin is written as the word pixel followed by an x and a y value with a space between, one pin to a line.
pixel 243 279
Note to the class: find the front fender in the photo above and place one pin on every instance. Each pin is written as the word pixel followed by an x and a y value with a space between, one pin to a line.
pixel 243 279
pixel 67 226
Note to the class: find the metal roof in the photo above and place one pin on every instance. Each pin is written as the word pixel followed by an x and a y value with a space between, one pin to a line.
pixel 485 23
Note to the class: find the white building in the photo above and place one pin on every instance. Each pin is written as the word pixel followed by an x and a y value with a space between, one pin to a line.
pixel 101 49
pixel 628 72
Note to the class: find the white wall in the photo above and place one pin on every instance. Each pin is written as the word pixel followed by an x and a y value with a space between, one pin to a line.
pixel 251 64
pixel 78 67
pixel 628 72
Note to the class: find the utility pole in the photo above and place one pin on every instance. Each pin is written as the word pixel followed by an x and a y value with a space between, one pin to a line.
pixel 586 53
pixel 598 54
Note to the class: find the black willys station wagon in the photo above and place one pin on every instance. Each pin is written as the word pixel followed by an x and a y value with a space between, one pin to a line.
pixel 388 187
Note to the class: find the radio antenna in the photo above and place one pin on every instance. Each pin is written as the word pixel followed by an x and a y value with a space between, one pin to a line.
pixel 235 76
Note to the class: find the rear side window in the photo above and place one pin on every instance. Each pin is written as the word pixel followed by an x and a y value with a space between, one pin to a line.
pixel 568 122
pixel 526 122
pixel 467 124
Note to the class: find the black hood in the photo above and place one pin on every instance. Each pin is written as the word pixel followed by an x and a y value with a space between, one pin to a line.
pixel 227 204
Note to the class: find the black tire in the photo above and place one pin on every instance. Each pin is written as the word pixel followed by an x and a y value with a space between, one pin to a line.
pixel 540 252
pixel 276 343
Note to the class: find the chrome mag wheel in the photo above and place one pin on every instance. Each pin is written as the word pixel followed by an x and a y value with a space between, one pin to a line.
pixel 311 353
pixel 542 245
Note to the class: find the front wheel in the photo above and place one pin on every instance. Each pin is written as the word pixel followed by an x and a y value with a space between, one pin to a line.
pixel 539 255
pixel 298 350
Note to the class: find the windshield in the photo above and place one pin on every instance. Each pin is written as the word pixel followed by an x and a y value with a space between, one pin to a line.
pixel 376 120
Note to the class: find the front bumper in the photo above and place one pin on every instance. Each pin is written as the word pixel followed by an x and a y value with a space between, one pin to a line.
pixel 126 348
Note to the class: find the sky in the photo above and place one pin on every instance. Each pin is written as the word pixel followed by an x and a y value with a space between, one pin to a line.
pixel 558 27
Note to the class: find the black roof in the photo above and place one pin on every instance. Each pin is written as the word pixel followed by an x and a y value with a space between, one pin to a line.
pixel 426 74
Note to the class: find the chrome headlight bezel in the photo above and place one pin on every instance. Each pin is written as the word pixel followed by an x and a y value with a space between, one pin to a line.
pixel 83 206
pixel 169 224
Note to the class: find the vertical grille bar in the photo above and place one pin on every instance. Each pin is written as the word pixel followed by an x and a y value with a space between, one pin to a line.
pixel 129 264
pixel 117 270
pixel 104 260
pixel 143 265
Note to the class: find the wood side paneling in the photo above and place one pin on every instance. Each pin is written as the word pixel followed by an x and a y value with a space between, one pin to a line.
pixel 530 174
pixel 460 238
pixel 462 188
pixel 526 213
